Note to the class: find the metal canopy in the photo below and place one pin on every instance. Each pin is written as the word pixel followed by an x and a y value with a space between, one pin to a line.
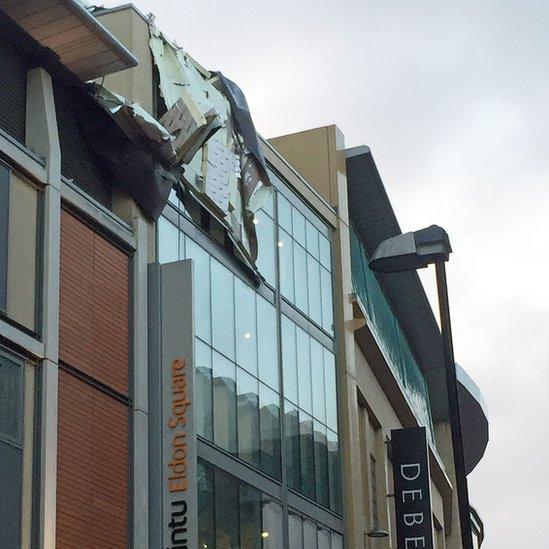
pixel 83 45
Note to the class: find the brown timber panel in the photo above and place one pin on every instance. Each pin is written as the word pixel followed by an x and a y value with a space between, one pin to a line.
pixel 94 305
pixel 92 467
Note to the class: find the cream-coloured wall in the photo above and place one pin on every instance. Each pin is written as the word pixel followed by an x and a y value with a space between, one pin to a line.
pixel 132 30
pixel 22 252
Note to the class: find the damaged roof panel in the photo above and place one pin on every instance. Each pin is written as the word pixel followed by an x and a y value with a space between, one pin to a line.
pixel 66 27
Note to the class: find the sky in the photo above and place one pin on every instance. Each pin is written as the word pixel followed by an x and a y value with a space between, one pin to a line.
pixel 453 99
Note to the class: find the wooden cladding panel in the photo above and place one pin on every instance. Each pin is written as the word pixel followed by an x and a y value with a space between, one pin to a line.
pixel 92 464
pixel 94 305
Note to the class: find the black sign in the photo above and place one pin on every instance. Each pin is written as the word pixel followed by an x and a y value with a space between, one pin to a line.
pixel 412 488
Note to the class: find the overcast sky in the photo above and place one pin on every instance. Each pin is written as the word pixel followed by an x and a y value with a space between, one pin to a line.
pixel 453 99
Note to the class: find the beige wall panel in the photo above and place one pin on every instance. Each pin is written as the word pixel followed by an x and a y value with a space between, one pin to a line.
pixel 22 252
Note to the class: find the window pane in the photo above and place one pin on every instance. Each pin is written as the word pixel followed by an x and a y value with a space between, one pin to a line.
pixel 304 370
pixel 11 473
pixel 321 465
pixel 309 535
pixel 222 310
pixel 203 396
pixel 337 541
pixel 224 383
pixel 292 448
pixel 226 511
pixel 334 473
pixel 202 313
pixel 206 522
pixel 11 399
pixel 286 251
pixel 331 392
pixel 269 406
pixel 273 537
pixel 312 239
pixel 295 527
pixel 246 330
pixel 317 376
pixel 268 208
pixel 325 252
pixel 267 343
pixel 248 418
pixel 168 241
pixel 284 214
pixel 327 302
pixel 250 517
pixel 289 360
pixel 299 227
pixel 5 175
pixel 264 227
pixel 307 455
pixel 300 273
pixel 324 539
pixel 314 294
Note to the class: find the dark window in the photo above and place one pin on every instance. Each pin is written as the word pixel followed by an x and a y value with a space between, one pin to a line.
pixel 4 226
pixel 373 491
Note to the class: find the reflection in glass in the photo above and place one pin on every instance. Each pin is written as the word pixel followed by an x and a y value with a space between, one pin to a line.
pixel 334 467
pixel 295 526
pixel 286 255
pixel 304 370
pixel 203 390
pixel 309 535
pixel 11 399
pixel 313 289
pixel 266 258
pixel 284 214
pixel 168 241
pixel 300 273
pixel 246 331
pixel 226 511
pixel 337 541
pixel 269 410
pixel 224 391
pixel 289 360
pixel 267 343
pixel 273 537
pixel 312 239
pixel 321 465
pixel 331 391
pixel 222 310
pixel 317 376
pixel 202 314
pixel 325 255
pixel 292 445
pixel 324 539
pixel 299 227
pixel 248 418
pixel 206 502
pixel 307 455
pixel 250 517
pixel 327 301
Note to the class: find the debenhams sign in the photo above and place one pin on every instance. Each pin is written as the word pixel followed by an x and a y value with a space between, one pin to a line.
pixel 412 488
pixel 172 456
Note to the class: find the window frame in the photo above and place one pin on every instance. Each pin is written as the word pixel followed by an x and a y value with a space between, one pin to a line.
pixel 5 184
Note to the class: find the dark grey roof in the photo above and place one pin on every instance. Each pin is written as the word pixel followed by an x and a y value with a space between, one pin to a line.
pixel 374 219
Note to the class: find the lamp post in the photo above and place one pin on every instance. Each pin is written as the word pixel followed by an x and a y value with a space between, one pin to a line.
pixel 417 250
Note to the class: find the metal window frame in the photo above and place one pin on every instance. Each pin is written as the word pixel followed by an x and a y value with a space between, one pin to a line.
pixel 5 184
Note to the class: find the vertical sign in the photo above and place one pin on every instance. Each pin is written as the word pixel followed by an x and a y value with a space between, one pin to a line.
pixel 173 458
pixel 412 482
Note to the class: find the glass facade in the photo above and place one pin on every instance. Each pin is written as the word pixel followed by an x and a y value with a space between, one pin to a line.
pixel 265 388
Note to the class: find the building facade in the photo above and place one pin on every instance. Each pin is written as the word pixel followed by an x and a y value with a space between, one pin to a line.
pixel 302 361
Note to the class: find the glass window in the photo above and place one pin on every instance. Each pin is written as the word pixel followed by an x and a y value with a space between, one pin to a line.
pixel 206 500
pixel 267 343
pixel 334 467
pixel 317 376
pixel 300 273
pixel 4 228
pixel 11 399
pixel 327 300
pixel 289 360
pixel 307 455
pixel 246 329
pixel 227 535
pixel 222 309
pixel 325 254
pixel 269 406
pixel 321 465
pixel 324 541
pixel 304 370
pixel 314 294
pixel 266 259
pixel 202 304
pixel 284 214
pixel 309 535
pixel 168 241
pixel 292 445
pixel 273 537
pixel 299 227
pixel 248 418
pixel 203 390
pixel 337 541
pixel 250 517
pixel 268 207
pixel 224 391
pixel 312 239
pixel 295 526
pixel 286 254
pixel 331 391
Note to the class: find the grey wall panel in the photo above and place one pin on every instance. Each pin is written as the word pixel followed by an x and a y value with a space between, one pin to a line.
pixel 11 472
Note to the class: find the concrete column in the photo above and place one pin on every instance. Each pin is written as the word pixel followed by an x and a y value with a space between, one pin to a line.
pixel 43 138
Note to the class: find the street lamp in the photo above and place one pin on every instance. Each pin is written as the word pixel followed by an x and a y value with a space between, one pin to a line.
pixel 417 250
